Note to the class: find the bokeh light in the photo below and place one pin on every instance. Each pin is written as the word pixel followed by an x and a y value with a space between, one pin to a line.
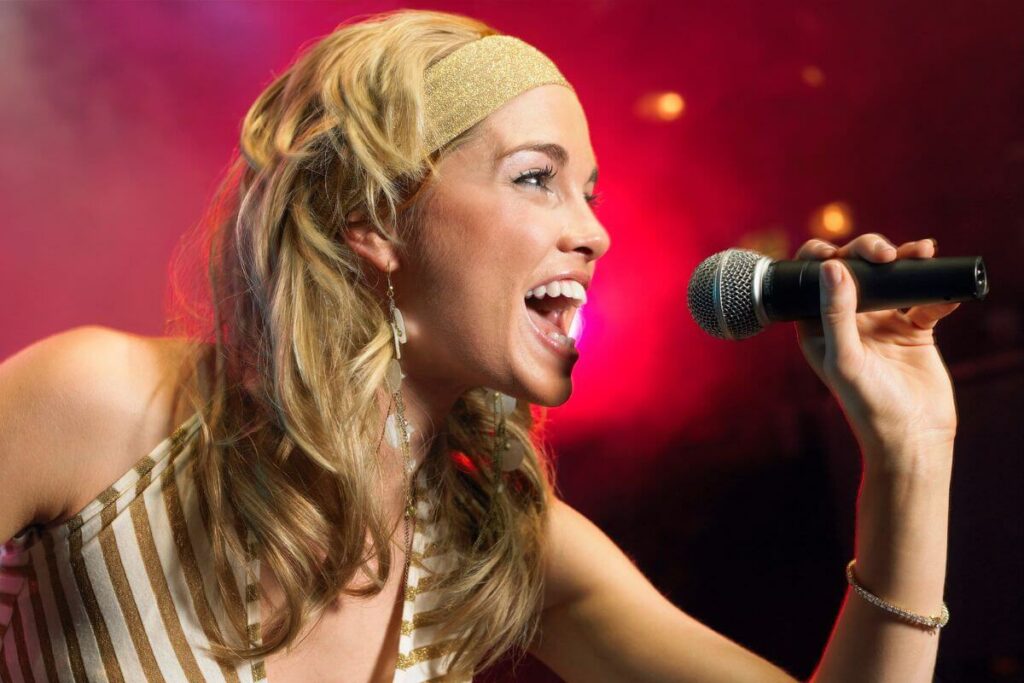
pixel 660 106
pixel 746 124
pixel 813 76
pixel 832 221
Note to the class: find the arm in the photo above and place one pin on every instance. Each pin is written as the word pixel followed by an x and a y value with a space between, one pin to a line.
pixel 901 557
pixel 604 622
pixel 885 370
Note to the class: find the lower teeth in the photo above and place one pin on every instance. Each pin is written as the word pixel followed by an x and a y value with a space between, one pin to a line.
pixel 562 339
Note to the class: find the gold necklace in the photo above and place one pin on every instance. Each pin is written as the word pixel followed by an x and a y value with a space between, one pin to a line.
pixel 393 377
pixel 410 495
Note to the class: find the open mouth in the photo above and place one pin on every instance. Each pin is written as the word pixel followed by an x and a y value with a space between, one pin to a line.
pixel 553 314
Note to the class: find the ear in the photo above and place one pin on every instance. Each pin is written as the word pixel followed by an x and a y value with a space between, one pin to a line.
pixel 363 238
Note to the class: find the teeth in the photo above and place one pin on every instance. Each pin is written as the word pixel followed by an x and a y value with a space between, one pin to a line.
pixel 567 288
pixel 581 293
pixel 562 339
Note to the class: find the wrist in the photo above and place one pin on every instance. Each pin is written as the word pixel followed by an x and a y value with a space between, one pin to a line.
pixel 900 540
pixel 917 460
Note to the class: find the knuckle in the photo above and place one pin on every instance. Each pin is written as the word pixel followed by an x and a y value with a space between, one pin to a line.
pixel 874 240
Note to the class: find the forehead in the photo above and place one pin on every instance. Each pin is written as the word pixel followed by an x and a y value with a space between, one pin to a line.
pixel 545 114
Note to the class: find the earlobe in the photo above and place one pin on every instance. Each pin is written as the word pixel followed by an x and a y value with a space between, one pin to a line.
pixel 364 239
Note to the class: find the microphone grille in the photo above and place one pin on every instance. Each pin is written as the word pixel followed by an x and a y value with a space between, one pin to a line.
pixel 720 295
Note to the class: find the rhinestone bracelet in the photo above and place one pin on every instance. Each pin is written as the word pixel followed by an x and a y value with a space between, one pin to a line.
pixel 929 623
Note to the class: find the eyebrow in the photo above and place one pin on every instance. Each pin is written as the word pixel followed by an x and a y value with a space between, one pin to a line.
pixel 552 149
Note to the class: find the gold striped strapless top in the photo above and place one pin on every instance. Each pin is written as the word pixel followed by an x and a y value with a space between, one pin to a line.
pixel 125 589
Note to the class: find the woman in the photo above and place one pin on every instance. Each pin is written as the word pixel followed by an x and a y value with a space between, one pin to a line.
pixel 354 488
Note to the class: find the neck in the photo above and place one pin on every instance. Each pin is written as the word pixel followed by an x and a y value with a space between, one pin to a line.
pixel 427 406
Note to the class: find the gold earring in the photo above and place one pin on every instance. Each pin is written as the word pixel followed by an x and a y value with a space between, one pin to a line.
pixel 397 321
pixel 396 428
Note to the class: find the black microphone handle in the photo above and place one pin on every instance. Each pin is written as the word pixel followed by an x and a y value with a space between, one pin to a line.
pixel 790 288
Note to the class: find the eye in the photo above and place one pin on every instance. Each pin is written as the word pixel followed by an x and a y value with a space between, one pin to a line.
pixel 543 176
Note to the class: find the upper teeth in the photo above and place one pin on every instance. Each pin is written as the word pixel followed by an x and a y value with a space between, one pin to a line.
pixel 568 288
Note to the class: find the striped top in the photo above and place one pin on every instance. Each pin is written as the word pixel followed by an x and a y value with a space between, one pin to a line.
pixel 125 590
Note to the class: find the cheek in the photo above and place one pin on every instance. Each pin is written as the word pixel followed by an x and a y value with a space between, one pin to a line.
pixel 486 245
pixel 472 264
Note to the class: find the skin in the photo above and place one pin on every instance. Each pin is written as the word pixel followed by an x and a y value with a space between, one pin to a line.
pixel 485 240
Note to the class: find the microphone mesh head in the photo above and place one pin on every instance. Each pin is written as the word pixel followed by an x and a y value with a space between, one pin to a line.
pixel 721 294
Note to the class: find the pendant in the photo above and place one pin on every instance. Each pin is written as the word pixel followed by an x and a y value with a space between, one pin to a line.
pixel 400 323
pixel 394 375
pixel 512 457
pixel 398 330
pixel 392 431
pixel 508 404
pixel 394 338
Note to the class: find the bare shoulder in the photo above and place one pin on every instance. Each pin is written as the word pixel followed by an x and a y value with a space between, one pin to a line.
pixel 77 409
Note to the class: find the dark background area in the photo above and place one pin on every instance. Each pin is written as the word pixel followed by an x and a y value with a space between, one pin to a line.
pixel 726 471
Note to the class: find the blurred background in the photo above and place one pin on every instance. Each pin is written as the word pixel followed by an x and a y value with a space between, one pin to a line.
pixel 725 470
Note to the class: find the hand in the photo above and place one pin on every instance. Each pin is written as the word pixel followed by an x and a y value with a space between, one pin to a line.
pixel 882 366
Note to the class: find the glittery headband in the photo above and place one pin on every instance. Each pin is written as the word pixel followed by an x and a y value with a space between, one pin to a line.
pixel 479 77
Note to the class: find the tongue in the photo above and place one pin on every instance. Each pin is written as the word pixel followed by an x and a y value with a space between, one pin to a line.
pixel 544 322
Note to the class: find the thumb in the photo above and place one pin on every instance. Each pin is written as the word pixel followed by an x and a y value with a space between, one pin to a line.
pixel 838 303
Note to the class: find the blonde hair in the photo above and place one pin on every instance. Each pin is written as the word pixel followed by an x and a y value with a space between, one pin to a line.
pixel 300 344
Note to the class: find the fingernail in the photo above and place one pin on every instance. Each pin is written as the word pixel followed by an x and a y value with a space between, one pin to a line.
pixel 832 274
pixel 935 243
pixel 882 245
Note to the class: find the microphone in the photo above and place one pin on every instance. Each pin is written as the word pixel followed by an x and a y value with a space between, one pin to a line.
pixel 736 293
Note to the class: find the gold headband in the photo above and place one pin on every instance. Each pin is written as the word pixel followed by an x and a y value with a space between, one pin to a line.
pixel 479 77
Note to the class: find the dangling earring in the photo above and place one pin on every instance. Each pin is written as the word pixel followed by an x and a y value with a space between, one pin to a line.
pixel 397 428
pixel 394 375
pixel 508 454
pixel 397 321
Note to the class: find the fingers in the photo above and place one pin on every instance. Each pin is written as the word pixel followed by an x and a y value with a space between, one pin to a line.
pixel 815 249
pixel 838 302
pixel 917 249
pixel 927 316
pixel 870 246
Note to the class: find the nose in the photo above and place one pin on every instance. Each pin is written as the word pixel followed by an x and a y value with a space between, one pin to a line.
pixel 585 234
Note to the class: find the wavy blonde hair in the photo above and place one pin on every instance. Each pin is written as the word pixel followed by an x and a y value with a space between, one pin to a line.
pixel 289 347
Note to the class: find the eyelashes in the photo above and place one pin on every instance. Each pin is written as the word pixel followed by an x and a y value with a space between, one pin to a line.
pixel 543 176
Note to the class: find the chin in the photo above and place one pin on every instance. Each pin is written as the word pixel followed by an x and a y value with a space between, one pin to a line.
pixel 552 395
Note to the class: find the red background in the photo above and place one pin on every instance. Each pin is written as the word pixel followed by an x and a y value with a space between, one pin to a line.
pixel 724 469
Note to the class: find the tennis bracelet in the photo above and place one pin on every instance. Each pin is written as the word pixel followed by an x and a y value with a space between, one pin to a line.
pixel 929 623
